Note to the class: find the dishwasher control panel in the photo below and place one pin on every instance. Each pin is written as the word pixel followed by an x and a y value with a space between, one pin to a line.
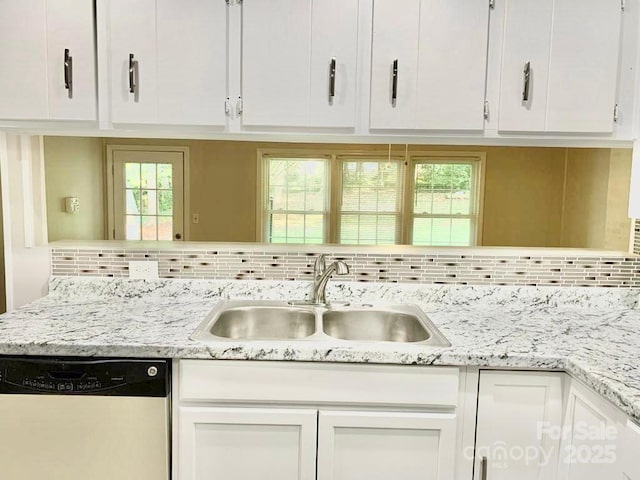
pixel 77 376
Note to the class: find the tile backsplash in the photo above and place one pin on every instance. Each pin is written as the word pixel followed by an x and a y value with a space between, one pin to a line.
pixel 252 262
pixel 636 238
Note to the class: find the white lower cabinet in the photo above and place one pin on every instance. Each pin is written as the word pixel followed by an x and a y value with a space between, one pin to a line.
pixel 384 445
pixel 518 414
pixel 247 443
pixel 593 438
pixel 305 421
pixel 629 449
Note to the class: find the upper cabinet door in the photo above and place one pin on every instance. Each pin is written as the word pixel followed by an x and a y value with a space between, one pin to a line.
pixel 299 63
pixel 559 65
pixel 178 72
pixel 23 40
pixel 525 65
pixel 394 63
pixel 583 73
pixel 71 60
pixel 452 64
pixel 429 64
pixel 38 82
pixel 192 62
pixel 134 62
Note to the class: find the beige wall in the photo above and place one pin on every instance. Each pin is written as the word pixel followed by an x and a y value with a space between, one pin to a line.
pixel 523 196
pixel 74 168
pixel 596 199
pixel 618 224
pixel 523 201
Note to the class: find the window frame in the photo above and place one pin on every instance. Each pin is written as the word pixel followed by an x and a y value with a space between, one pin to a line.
pixel 263 187
pixel 407 160
pixel 337 172
pixel 478 162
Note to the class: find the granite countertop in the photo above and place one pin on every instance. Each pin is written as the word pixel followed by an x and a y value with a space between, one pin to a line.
pixel 591 333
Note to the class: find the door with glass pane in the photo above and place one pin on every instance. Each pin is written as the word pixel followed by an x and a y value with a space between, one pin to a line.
pixel 148 195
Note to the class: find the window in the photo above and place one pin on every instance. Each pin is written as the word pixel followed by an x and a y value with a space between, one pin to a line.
pixel 370 201
pixel 146 193
pixel 425 199
pixel 296 202
pixel 445 201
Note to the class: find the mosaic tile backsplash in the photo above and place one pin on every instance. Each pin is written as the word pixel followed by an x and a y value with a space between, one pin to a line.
pixel 458 269
pixel 636 238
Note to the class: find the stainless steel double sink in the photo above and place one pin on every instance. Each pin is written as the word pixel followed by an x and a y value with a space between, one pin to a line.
pixel 250 320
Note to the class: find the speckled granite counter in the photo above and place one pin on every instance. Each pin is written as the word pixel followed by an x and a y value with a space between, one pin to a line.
pixel 593 334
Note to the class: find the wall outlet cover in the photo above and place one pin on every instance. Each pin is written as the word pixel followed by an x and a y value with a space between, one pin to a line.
pixel 143 270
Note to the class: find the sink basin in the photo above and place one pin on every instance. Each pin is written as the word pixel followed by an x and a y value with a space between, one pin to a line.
pixel 248 320
pixel 390 323
pixel 261 322
pixel 374 325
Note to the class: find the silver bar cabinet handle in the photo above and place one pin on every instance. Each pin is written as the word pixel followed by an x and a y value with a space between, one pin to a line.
pixel 483 466
pixel 68 72
pixel 394 84
pixel 133 74
pixel 332 79
pixel 527 80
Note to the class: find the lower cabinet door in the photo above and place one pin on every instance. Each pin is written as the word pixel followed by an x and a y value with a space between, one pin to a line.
pixel 518 425
pixel 246 444
pixel 593 438
pixel 628 451
pixel 386 445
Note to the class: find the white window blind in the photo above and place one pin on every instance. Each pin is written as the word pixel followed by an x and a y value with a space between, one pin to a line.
pixel 370 201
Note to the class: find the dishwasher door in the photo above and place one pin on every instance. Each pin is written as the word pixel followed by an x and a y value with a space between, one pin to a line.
pixel 110 436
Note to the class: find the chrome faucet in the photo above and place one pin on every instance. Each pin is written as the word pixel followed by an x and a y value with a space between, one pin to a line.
pixel 321 275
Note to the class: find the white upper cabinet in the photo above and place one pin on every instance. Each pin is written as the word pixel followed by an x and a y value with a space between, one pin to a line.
pixel 299 63
pixel 429 61
pixel 168 61
pixel 559 65
pixel 47 53
pixel 583 72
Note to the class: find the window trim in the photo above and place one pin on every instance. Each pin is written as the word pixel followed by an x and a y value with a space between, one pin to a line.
pixel 477 189
pixel 336 194
pixel 336 156
pixel 262 157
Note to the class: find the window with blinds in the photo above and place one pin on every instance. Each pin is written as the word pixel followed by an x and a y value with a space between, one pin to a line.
pixel 370 201
pixel 355 198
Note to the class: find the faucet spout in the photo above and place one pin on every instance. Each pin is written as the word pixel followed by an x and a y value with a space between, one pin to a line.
pixel 322 274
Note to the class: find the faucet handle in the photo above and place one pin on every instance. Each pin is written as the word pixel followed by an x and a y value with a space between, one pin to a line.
pixel 321 264
pixel 342 268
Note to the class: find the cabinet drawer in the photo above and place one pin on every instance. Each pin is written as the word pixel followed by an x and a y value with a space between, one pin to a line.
pixel 317 383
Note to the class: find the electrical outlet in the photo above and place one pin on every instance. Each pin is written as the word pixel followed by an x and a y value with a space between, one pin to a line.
pixel 143 270
pixel 195 218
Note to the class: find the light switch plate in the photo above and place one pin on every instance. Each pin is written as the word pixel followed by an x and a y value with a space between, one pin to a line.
pixel 143 270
